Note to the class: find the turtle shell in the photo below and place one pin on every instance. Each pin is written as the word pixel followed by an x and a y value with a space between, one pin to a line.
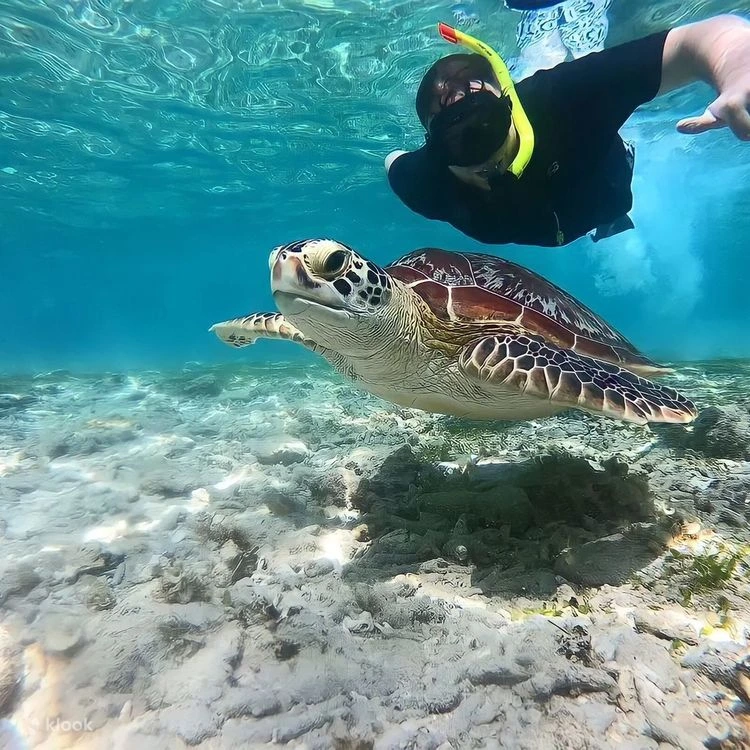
pixel 478 287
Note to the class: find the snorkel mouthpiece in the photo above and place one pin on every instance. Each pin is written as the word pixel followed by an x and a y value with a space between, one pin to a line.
pixel 519 117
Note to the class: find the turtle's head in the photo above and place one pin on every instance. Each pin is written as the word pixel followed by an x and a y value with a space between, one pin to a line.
pixel 332 294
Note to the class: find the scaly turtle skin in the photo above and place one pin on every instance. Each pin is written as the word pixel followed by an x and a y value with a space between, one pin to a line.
pixel 465 334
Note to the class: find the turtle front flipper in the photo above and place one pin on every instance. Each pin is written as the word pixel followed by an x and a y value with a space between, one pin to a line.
pixel 537 368
pixel 245 331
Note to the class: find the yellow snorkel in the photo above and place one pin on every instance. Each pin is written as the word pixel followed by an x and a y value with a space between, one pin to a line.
pixel 520 120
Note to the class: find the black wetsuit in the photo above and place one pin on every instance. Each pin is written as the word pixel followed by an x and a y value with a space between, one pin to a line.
pixel 580 172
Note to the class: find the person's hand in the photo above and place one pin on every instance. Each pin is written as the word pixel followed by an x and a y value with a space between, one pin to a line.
pixel 391 158
pixel 732 76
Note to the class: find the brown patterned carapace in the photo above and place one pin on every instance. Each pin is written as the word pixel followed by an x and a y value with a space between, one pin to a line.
pixel 473 286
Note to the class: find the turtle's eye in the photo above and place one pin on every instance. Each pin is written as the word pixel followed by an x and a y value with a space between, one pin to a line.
pixel 333 265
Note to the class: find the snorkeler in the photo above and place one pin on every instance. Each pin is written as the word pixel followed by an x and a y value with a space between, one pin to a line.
pixel 542 162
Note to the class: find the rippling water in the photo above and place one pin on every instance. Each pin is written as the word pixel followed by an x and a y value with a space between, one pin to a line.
pixel 153 151
pixel 114 108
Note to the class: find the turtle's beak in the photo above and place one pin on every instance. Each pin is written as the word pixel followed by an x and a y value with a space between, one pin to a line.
pixel 288 274
pixel 290 280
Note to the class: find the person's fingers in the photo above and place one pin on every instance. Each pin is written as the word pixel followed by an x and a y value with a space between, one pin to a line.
pixel 727 111
pixel 700 124
pixel 391 158
pixel 734 113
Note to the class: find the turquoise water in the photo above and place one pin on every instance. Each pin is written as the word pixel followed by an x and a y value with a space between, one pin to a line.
pixel 152 153
pixel 215 548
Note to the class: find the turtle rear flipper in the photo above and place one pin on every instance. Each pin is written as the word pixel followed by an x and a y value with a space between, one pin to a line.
pixel 240 332
pixel 538 368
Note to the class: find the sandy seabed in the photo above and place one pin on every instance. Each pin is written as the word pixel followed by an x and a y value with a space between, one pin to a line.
pixel 256 556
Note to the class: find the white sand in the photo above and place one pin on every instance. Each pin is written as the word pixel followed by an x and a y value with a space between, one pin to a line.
pixel 226 559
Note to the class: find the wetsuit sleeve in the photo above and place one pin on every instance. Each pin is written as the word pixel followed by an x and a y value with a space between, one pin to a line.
pixel 606 87
pixel 418 182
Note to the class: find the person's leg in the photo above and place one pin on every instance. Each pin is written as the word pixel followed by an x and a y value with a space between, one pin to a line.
pixel 465 13
pixel 624 222
pixel 539 42
pixel 584 25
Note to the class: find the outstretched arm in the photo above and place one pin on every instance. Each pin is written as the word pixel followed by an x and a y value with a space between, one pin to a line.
pixel 716 51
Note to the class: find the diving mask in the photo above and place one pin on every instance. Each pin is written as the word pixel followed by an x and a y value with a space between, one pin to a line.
pixel 469 131
pixel 518 116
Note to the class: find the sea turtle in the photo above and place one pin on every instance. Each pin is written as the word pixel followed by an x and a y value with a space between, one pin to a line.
pixel 464 334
